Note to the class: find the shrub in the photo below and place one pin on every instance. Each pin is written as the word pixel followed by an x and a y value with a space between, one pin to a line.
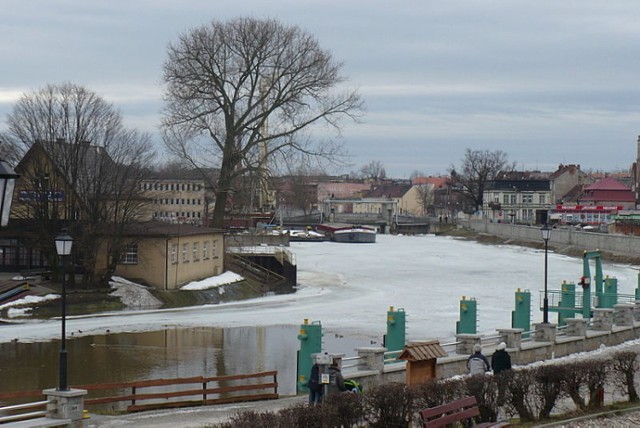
pixel 342 410
pixel 485 389
pixel 519 387
pixel 390 405
pixel 436 392
pixel 596 376
pixel 575 381
pixel 624 366
pixel 548 386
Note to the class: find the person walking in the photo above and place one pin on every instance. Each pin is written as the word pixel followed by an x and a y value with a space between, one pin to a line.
pixel 500 360
pixel 336 381
pixel 478 363
pixel 314 385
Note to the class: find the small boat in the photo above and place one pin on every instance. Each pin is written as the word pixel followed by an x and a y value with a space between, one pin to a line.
pixel 348 233
pixel 296 235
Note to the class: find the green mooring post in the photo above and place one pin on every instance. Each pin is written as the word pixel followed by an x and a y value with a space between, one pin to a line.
pixel 610 294
pixel 638 288
pixel 310 337
pixel 521 316
pixel 395 338
pixel 468 323
pixel 567 302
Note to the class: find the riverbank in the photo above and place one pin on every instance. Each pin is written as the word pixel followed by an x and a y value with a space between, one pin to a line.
pixel 568 250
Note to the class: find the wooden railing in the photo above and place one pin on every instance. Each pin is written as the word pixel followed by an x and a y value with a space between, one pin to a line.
pixel 139 395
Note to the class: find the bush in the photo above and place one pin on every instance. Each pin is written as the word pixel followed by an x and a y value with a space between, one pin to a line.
pixel 624 366
pixel 342 410
pixel 390 405
pixel 548 385
pixel 519 390
pixel 436 392
pixel 485 389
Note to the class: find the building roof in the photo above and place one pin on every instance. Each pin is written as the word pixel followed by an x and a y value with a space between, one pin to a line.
pixel 520 185
pixel 436 182
pixel 421 351
pixel 159 228
pixel 562 169
pixel 607 183
pixel 389 191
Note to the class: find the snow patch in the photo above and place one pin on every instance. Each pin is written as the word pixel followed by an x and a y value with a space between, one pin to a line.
pixel 29 300
pixel 133 295
pixel 213 282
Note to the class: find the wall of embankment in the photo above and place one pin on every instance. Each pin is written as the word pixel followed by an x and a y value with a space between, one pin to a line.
pixel 609 327
pixel 561 239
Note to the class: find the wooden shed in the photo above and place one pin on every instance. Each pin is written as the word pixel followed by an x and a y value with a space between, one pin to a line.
pixel 421 360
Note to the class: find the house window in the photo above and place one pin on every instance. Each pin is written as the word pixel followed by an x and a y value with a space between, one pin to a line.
pixel 196 251
pixel 174 253
pixel 185 253
pixel 129 255
pixel 543 199
pixel 513 199
pixel 205 250
pixel 505 200
pixel 527 198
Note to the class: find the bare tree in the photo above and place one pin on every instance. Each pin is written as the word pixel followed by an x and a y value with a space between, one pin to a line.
pixel 425 197
pixel 85 173
pixel 374 170
pixel 477 169
pixel 241 94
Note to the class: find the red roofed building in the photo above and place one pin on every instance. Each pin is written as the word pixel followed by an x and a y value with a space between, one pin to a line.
pixel 608 191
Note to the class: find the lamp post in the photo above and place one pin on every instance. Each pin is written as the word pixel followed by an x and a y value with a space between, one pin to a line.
pixel 7 184
pixel 64 243
pixel 546 234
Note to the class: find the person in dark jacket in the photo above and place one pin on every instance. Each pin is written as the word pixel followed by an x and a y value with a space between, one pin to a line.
pixel 478 363
pixel 315 387
pixel 336 381
pixel 500 360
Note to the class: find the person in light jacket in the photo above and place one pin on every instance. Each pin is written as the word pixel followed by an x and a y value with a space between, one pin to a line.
pixel 478 363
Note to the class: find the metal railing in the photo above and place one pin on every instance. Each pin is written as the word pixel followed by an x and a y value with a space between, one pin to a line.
pixel 9 413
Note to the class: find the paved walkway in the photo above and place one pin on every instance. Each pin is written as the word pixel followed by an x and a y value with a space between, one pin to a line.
pixel 191 417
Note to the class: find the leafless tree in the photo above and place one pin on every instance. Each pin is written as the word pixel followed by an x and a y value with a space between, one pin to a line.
pixel 374 170
pixel 425 197
pixel 87 172
pixel 242 95
pixel 477 169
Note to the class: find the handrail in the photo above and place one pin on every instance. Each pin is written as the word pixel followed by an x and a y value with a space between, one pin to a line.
pixel 130 391
pixel 23 416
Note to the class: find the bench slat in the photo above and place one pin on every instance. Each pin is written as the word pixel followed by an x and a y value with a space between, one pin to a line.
pixel 449 407
pixel 456 411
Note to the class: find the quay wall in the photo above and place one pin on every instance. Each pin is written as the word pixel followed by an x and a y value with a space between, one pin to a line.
pixel 544 345
pixel 623 245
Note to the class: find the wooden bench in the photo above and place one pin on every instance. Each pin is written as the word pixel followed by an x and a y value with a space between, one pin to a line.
pixel 457 411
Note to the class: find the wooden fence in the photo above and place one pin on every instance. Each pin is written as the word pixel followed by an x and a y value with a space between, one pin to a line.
pixel 171 393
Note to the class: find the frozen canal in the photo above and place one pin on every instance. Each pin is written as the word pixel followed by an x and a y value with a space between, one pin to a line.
pixel 349 288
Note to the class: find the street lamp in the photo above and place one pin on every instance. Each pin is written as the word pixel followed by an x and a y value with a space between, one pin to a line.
pixel 7 184
pixel 64 242
pixel 546 234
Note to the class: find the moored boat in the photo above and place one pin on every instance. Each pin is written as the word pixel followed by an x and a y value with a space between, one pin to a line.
pixel 348 233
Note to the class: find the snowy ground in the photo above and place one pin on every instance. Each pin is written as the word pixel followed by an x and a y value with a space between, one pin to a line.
pixel 349 288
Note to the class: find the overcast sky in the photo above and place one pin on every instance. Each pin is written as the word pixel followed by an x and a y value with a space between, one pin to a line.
pixel 547 82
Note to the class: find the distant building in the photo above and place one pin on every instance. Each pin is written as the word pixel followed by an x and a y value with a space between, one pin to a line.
pixel 168 256
pixel 181 198
pixel 608 191
pixel 517 201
